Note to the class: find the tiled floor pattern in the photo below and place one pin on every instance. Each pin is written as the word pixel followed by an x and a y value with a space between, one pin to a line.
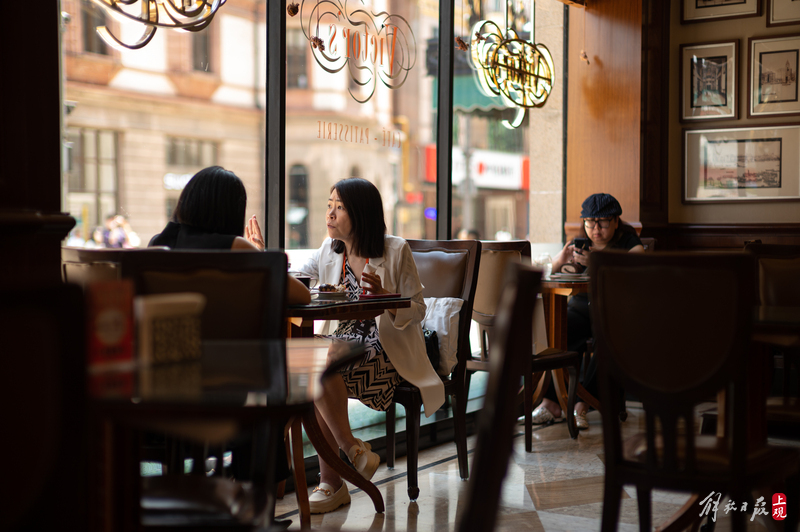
pixel 557 487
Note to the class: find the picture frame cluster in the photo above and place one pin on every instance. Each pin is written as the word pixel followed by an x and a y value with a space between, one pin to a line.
pixel 735 164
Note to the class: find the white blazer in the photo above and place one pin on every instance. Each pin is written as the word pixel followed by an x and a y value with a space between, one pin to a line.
pixel 401 335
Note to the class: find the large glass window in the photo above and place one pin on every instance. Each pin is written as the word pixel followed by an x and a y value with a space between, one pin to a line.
pixel 366 110
pixel 183 102
pixel 492 172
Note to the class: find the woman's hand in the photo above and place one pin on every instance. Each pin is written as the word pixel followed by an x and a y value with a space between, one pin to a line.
pixel 374 282
pixel 252 232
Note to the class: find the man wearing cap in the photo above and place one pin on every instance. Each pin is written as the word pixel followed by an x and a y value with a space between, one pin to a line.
pixel 603 227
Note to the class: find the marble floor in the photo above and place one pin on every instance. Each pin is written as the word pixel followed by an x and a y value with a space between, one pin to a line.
pixel 557 487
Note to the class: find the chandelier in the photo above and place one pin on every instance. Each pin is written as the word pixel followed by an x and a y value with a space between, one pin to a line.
pixel 520 71
pixel 184 15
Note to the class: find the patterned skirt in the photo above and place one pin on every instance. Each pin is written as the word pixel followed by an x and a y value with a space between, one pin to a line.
pixel 372 380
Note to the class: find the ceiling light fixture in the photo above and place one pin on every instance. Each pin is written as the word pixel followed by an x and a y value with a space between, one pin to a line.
pixel 520 71
pixel 184 15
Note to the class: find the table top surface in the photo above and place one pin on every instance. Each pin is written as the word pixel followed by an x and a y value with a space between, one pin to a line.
pixel 562 286
pixel 324 308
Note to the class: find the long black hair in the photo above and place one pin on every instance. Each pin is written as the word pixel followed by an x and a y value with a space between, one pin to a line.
pixel 364 206
pixel 214 200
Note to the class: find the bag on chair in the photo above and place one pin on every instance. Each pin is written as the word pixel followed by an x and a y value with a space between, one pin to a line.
pixel 432 346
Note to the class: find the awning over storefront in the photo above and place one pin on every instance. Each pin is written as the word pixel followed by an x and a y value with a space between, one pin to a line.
pixel 467 96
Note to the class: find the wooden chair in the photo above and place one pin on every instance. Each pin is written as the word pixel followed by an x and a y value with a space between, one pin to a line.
pixel 649 243
pixel 778 271
pixel 447 268
pixel 245 292
pixel 495 257
pixel 245 299
pixel 496 422
pixel 702 348
pixel 42 341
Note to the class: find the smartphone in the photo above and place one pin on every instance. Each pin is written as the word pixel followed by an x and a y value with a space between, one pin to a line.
pixel 582 243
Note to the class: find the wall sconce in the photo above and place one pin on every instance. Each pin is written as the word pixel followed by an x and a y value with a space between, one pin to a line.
pixel 185 15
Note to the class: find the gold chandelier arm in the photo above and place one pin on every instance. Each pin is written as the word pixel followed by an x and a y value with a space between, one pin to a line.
pixel 517 119
pixel 189 15
pixel 187 19
pixel 112 41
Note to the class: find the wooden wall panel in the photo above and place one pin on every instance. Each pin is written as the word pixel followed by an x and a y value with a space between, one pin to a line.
pixel 656 86
pixel 604 109
pixel 31 226
pixel 720 237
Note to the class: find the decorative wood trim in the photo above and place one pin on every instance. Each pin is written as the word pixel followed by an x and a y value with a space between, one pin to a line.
pixel 31 241
pixel 719 237
pixel 33 222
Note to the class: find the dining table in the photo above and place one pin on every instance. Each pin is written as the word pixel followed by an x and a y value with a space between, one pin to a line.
pixel 556 291
pixel 302 317
pixel 235 385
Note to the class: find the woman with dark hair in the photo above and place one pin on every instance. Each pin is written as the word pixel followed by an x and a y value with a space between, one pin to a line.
pixel 605 230
pixel 210 214
pixel 356 254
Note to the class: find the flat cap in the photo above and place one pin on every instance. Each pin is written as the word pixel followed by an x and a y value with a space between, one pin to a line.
pixel 600 206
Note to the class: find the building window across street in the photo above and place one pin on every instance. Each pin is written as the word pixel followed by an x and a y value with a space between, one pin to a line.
pixel 91 17
pixel 92 177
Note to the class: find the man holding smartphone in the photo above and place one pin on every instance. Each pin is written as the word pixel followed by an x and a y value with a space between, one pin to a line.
pixel 602 229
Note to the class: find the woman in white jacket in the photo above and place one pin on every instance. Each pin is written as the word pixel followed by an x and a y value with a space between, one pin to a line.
pixel 394 341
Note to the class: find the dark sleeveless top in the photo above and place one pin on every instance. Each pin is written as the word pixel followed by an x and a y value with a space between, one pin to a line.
pixel 180 236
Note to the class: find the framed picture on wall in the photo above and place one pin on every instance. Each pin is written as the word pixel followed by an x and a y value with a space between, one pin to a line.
pixel 732 165
pixel 783 12
pixel 772 88
pixel 711 10
pixel 708 80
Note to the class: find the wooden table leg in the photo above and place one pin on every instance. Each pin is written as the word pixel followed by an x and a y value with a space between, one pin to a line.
pixel 685 517
pixel 555 307
pixel 332 458
pixel 759 369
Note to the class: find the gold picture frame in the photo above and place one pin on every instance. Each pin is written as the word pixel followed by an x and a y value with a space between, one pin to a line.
pixel 745 164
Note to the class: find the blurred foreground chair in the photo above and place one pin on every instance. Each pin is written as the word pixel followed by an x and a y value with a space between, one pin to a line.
pixel 497 420
pixel 708 299
pixel 495 258
pixel 245 300
pixel 245 297
pixel 778 271
pixel 447 269
pixel 43 383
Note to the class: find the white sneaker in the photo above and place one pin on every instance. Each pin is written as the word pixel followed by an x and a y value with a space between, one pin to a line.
pixel 363 459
